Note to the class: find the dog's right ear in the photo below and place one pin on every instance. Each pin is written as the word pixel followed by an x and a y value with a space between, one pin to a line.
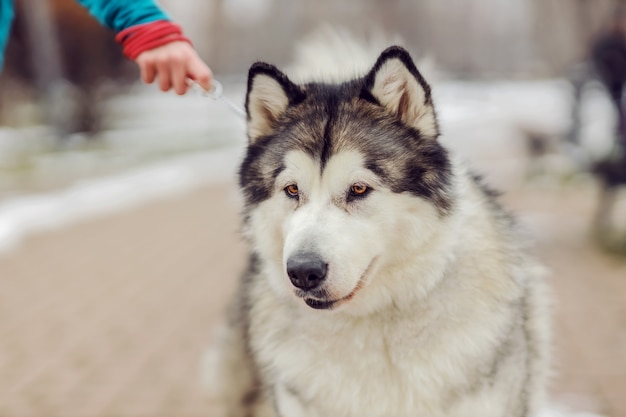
pixel 270 93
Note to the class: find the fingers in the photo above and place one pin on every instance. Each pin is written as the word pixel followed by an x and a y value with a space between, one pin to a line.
pixel 201 73
pixel 148 71
pixel 163 75
pixel 171 65
pixel 152 66
pixel 179 77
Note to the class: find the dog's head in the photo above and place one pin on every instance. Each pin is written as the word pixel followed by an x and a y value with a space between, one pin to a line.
pixel 342 181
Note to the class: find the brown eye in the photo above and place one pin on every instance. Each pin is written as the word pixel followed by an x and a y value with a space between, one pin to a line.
pixel 292 190
pixel 359 189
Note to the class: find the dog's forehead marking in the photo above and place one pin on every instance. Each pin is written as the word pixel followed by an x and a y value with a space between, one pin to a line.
pixel 342 169
pixel 345 163
pixel 300 167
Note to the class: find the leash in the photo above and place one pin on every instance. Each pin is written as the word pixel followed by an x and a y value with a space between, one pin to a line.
pixel 215 93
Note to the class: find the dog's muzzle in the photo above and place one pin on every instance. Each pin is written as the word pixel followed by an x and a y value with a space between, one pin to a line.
pixel 306 270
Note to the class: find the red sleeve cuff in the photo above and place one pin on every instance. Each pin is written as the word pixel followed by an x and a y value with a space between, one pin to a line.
pixel 140 38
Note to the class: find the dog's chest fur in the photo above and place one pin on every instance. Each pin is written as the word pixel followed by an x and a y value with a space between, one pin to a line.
pixel 410 363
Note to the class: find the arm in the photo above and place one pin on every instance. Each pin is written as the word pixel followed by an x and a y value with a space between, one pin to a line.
pixel 123 14
pixel 153 41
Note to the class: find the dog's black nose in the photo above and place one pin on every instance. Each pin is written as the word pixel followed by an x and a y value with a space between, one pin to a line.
pixel 306 270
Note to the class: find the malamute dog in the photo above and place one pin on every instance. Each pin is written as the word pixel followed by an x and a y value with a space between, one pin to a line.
pixel 384 280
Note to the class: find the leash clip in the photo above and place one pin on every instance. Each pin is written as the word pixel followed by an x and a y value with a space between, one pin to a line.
pixel 215 93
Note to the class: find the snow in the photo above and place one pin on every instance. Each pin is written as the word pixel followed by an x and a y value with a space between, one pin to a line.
pixel 559 411
pixel 25 215
pixel 483 121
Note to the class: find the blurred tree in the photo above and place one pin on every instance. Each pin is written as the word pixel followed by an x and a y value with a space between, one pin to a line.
pixel 466 37
pixel 60 51
pixel 564 29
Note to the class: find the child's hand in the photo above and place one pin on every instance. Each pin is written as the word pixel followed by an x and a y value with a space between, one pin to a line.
pixel 172 64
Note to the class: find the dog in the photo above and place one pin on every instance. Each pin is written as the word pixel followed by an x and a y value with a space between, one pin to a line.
pixel 384 278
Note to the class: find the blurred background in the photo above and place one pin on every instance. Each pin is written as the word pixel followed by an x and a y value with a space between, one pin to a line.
pixel 119 240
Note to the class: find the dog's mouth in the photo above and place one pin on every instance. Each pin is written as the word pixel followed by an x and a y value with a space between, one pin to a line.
pixel 318 301
pixel 319 304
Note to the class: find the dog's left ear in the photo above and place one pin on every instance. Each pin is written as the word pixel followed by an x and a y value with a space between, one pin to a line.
pixel 396 84
pixel 270 93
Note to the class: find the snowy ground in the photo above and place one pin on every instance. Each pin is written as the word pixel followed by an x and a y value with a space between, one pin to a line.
pixel 144 126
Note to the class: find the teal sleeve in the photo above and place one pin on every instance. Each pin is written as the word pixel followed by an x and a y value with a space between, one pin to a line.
pixel 6 17
pixel 122 14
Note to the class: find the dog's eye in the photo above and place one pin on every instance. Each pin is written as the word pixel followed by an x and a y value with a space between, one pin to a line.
pixel 292 191
pixel 359 190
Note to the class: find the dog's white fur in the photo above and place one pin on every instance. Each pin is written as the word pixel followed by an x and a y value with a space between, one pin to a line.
pixel 435 328
pixel 420 342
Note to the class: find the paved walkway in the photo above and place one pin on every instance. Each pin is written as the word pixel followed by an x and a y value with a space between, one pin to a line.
pixel 590 297
pixel 109 318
